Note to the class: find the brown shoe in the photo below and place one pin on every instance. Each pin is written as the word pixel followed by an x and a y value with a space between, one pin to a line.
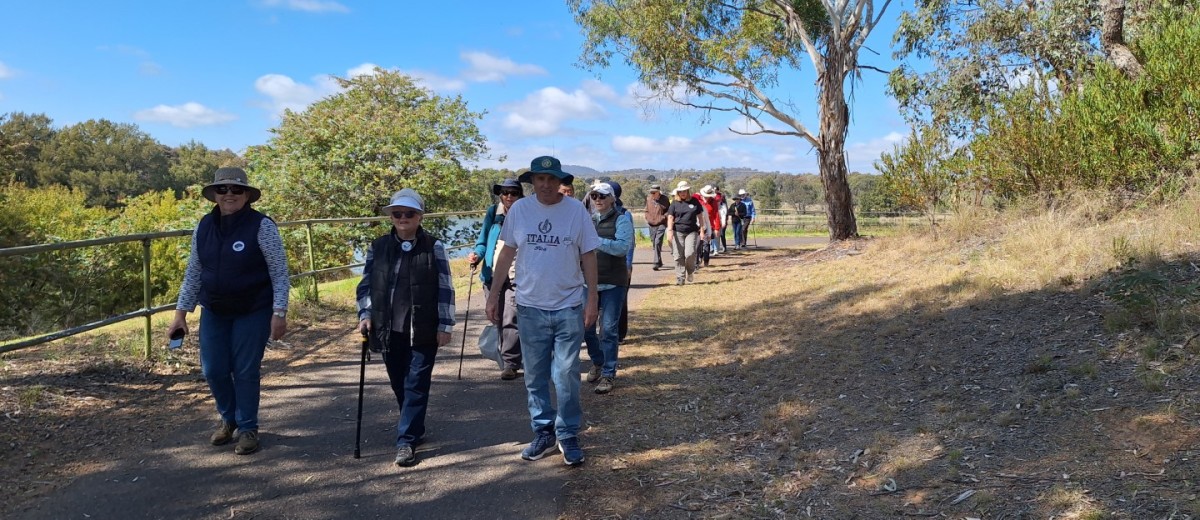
pixel 247 443
pixel 594 374
pixel 605 386
pixel 508 374
pixel 224 433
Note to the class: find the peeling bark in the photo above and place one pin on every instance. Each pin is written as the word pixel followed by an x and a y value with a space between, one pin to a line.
pixel 1112 37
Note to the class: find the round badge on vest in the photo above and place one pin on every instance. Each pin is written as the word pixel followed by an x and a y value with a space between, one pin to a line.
pixel 239 246
pixel 406 246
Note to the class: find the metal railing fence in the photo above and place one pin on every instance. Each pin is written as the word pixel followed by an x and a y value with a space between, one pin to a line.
pixel 147 310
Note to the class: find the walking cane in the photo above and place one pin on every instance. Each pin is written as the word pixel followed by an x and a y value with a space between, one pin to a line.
pixel 362 380
pixel 466 316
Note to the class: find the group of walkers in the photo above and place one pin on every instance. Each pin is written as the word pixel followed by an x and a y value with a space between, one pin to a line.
pixel 556 275
pixel 697 224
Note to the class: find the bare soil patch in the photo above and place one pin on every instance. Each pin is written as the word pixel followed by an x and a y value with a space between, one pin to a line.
pixel 762 393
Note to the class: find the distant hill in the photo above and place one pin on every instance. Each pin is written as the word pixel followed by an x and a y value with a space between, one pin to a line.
pixel 580 171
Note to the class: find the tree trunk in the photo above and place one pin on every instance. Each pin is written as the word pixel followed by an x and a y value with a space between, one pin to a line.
pixel 1112 37
pixel 834 121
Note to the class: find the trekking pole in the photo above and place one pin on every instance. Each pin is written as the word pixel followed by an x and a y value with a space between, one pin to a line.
pixel 462 349
pixel 362 380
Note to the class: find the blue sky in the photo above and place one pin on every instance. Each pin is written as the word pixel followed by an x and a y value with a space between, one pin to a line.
pixel 220 72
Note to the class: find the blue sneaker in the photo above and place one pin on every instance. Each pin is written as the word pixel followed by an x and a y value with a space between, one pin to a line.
pixel 540 447
pixel 571 452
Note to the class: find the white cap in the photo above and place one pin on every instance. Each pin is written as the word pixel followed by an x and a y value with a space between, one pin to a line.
pixel 408 198
pixel 603 188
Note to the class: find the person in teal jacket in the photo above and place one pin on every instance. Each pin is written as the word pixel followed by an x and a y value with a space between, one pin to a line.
pixel 486 247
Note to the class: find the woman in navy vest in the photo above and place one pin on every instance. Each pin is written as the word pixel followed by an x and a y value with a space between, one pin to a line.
pixel 406 308
pixel 238 272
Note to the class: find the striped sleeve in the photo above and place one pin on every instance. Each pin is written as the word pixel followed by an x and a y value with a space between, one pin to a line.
pixel 445 289
pixel 272 249
pixel 189 292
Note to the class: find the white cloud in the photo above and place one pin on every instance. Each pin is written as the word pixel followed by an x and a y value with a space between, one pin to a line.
pixel 638 144
pixel 599 89
pixel 187 115
pixel 366 69
pixel 436 82
pixel 484 67
pixel 6 72
pixel 544 111
pixel 284 93
pixel 311 6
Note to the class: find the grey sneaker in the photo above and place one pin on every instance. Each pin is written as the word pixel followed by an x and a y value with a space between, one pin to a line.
pixel 571 452
pixel 605 386
pixel 405 456
pixel 594 374
pixel 247 443
pixel 224 433
pixel 540 447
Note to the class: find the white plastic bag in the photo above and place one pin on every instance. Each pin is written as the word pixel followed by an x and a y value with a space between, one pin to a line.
pixel 489 344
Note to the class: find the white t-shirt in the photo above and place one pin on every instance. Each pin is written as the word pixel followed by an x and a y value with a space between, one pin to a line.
pixel 549 240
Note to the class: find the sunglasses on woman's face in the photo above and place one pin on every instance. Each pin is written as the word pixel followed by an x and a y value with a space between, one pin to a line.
pixel 598 196
pixel 405 214
pixel 510 193
pixel 236 190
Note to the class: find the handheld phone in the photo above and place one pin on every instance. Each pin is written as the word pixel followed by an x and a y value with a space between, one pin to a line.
pixel 176 339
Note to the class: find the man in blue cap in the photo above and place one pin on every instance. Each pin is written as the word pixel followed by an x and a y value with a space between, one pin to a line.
pixel 556 301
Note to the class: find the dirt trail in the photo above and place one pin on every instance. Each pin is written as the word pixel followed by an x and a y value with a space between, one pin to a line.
pixel 157 464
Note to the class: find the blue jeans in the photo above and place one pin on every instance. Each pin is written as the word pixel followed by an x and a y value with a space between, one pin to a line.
pixel 550 351
pixel 231 352
pixel 410 371
pixel 737 232
pixel 602 347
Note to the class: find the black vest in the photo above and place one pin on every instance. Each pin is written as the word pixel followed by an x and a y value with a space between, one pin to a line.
pixel 610 269
pixel 419 282
pixel 234 278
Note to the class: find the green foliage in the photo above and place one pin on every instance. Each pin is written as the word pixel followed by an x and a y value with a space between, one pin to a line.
pixel 22 137
pixel 346 155
pixel 762 189
pixel 920 172
pixel 160 211
pixel 1131 137
pixel 193 164
pixel 105 160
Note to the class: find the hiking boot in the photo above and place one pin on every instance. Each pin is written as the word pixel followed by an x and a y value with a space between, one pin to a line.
pixel 540 447
pixel 247 443
pixel 508 374
pixel 224 433
pixel 594 374
pixel 571 452
pixel 405 456
pixel 605 386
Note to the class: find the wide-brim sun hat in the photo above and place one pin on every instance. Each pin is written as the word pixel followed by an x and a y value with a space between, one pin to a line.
pixel 230 176
pixel 506 183
pixel 408 198
pixel 708 191
pixel 683 186
pixel 742 192
pixel 548 165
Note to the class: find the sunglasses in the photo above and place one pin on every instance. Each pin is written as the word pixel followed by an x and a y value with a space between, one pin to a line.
pixel 405 214
pixel 510 193
pixel 236 190
pixel 597 196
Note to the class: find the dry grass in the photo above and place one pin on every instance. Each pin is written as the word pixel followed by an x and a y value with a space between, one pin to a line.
pixel 834 383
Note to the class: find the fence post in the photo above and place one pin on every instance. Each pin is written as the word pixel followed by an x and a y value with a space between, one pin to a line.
pixel 312 264
pixel 146 291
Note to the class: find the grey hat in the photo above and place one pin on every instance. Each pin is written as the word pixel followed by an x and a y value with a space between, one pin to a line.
pixel 507 183
pixel 408 198
pixel 230 176
pixel 548 165
pixel 655 187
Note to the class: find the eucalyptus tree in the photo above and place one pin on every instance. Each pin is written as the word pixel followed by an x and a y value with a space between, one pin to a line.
pixel 732 55
pixel 22 137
